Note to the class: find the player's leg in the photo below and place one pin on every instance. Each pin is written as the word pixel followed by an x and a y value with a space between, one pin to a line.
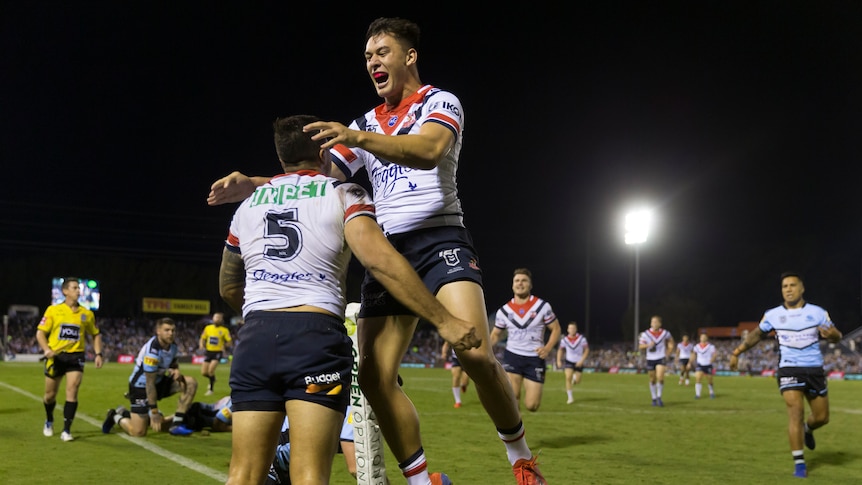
pixel 255 436
pixel 49 400
pixel 465 300
pixel 819 412
pixel 456 385
pixel 70 406
pixel 383 341
pixel 570 375
pixel 795 403
pixel 135 424
pixel 532 394
pixel 314 431
pixel 578 376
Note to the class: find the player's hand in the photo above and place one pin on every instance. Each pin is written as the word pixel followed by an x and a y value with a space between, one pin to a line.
pixel 334 131
pixel 233 188
pixel 651 348
pixel 460 334
pixel 99 361
pixel 734 362
pixel 156 421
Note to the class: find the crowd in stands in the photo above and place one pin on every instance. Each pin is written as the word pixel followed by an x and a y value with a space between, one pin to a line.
pixel 127 335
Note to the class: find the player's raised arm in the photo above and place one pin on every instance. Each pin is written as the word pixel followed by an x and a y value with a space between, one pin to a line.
pixel 234 188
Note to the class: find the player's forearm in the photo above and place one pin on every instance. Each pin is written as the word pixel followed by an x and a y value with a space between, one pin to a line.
pixel 415 151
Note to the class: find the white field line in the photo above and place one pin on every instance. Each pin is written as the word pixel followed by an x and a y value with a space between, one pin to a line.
pixel 143 443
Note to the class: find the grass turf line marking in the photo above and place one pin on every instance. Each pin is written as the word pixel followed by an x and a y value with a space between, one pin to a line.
pixel 143 443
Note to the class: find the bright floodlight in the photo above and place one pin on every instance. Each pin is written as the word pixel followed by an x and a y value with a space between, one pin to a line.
pixel 637 226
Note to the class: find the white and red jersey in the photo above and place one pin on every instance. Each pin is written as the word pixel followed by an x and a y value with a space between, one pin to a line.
pixel 657 339
pixel 525 324
pixel 408 198
pixel 684 349
pixel 705 353
pixel 575 347
pixel 290 233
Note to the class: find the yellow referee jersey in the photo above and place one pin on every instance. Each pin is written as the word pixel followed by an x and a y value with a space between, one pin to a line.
pixel 215 337
pixel 66 328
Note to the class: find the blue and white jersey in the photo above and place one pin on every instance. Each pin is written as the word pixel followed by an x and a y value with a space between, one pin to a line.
pixel 152 358
pixel 705 353
pixel 525 324
pixel 798 334
pixel 575 347
pixel 657 339
pixel 407 198
pixel 224 410
pixel 290 234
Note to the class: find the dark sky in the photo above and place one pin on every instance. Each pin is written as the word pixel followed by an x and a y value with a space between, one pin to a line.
pixel 737 122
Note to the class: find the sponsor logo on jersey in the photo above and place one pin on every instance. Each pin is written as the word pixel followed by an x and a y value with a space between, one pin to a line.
pixel 69 332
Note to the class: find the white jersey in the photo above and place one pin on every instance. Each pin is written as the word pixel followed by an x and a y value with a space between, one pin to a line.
pixel 408 198
pixel 525 324
pixel 658 340
pixel 685 349
pixel 575 347
pixel 290 233
pixel 705 353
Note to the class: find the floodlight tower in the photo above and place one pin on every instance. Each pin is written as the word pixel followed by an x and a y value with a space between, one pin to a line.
pixel 637 229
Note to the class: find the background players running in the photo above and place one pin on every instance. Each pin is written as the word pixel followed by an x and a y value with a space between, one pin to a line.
pixel 683 356
pixel 658 344
pixel 798 326
pixel 62 335
pixel 705 354
pixel 215 339
pixel 571 356
pixel 460 379
pixel 525 319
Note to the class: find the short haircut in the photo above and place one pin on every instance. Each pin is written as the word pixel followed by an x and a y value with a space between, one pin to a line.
pixel 406 31
pixel 788 274
pixel 523 271
pixel 293 145
pixel 68 281
pixel 165 321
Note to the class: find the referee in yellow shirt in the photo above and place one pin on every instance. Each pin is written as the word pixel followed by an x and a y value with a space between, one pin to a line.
pixel 215 339
pixel 62 336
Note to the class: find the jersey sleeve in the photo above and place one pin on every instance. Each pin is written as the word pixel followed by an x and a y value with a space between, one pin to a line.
pixel 47 322
pixel 445 109
pixel 92 328
pixel 151 360
pixel 357 202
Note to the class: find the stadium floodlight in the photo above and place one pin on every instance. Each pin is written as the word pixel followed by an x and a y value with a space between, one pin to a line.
pixel 637 230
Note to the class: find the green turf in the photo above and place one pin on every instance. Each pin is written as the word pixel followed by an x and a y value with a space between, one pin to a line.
pixel 610 435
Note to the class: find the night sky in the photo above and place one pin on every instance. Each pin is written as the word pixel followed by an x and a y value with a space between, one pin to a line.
pixel 736 122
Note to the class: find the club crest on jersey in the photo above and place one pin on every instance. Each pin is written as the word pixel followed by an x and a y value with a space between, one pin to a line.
pixel 450 256
pixel 409 119
pixel 392 121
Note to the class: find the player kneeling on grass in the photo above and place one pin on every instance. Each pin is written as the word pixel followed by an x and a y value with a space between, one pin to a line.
pixel 156 376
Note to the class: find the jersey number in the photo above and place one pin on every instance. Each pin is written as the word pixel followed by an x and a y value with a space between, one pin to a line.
pixel 284 239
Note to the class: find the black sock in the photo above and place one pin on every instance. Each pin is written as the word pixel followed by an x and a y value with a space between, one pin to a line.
pixel 69 410
pixel 212 382
pixel 49 411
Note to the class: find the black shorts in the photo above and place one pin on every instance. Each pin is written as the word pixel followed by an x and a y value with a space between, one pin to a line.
pixel 706 369
pixel 573 365
pixel 291 355
pixel 532 368
pixel 138 395
pixel 440 255
pixel 454 361
pixel 683 362
pixel 652 364
pixel 810 380
pixel 210 356
pixel 62 363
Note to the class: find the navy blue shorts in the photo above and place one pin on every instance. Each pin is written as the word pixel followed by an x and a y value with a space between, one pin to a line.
pixel 706 369
pixel 532 368
pixel 652 364
pixel 454 361
pixel 440 255
pixel 282 356
pixel 810 380
pixel 573 365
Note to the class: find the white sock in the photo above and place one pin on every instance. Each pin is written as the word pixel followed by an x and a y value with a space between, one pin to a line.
pixel 658 388
pixel 516 445
pixel 652 390
pixel 697 388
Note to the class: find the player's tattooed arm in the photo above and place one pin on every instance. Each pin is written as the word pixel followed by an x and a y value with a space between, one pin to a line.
pixel 231 280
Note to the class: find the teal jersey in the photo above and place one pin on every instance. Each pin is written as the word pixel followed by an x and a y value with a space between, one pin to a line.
pixel 798 334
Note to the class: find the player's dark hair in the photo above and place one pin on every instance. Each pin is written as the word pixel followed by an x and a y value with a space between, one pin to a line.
pixel 406 31
pixel 788 274
pixel 292 144
pixel 68 281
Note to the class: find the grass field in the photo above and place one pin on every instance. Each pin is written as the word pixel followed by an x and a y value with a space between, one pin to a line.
pixel 610 435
